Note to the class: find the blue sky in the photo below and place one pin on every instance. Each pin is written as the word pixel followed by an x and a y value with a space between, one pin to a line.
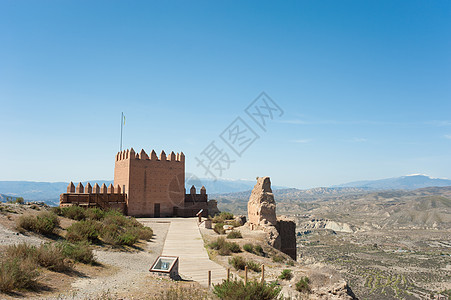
pixel 364 86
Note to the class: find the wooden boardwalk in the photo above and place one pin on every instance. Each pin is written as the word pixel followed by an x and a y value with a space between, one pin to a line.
pixel 185 241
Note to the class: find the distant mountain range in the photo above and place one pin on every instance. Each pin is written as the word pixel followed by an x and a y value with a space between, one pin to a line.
pixel 228 190
pixel 409 182
pixel 49 192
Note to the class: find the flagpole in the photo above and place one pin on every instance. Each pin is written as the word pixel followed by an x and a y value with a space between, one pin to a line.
pixel 122 123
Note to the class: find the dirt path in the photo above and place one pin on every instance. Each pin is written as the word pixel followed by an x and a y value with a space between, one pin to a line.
pixel 9 237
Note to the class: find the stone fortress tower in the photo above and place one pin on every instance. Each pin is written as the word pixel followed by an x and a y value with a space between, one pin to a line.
pixel 155 186
pixel 145 186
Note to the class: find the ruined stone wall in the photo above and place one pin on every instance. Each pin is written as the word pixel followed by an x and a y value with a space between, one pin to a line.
pixel 261 207
pixel 287 235
pixel 151 181
pixel 281 232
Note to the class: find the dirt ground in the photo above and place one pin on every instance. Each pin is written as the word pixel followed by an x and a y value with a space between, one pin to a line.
pixel 119 274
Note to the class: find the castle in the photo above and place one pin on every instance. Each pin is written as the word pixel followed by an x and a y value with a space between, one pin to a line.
pixel 144 187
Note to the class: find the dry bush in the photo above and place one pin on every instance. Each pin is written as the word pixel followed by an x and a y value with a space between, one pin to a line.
pixel 145 233
pixel 44 223
pixel 237 262
pixel 234 247
pixel 17 274
pixel 80 252
pixel 303 285
pixel 253 290
pixel 234 234
pixel 278 258
pixel 86 230
pixel 73 212
pixel 219 228
pixel 183 293
pixel 95 213
pixel 49 255
pixel 223 247
pixel 286 274
pixel 254 266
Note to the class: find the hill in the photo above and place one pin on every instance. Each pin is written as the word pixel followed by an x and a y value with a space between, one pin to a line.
pixel 409 182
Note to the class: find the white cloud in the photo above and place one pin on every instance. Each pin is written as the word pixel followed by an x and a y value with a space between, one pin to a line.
pixel 294 121
pixel 301 141
pixel 359 139
pixel 447 136
pixel 439 123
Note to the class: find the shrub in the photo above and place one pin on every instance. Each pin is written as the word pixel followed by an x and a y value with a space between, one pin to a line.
pixel 234 247
pixel 128 238
pixel 286 274
pixel 226 216
pixel 113 212
pixel 248 248
pixel 303 285
pixel 221 245
pixel 44 223
pixel 110 234
pixel 217 244
pixel 95 213
pixel 234 234
pixel 17 274
pixel 253 266
pixel 17 200
pixel 73 212
pixel 116 235
pixel 278 258
pixel 20 251
pixel 80 252
pixel 112 217
pixel 224 247
pixel 47 255
pixel 259 250
pixel 86 230
pixel 237 262
pixel 224 251
pixel 56 210
pixel 235 223
pixel 253 290
pixel 183 293
pixel 51 256
pixel 26 222
pixel 222 217
pixel 219 228
pixel 144 233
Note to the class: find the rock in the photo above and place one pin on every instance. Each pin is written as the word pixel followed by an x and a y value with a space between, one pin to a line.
pixel 213 208
pixel 261 205
pixel 240 219
pixel 339 291
pixel 261 209
pixel 227 227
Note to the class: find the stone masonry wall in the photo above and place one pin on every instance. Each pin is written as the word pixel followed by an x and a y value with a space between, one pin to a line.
pixel 151 181
pixel 281 232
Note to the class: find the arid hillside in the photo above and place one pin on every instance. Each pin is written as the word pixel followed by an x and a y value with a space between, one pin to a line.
pixel 387 244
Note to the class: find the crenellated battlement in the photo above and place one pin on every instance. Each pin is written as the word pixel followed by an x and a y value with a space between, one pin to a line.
pixel 110 197
pixel 96 189
pixel 142 155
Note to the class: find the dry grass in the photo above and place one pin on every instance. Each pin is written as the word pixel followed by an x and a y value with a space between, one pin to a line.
pixel 44 223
